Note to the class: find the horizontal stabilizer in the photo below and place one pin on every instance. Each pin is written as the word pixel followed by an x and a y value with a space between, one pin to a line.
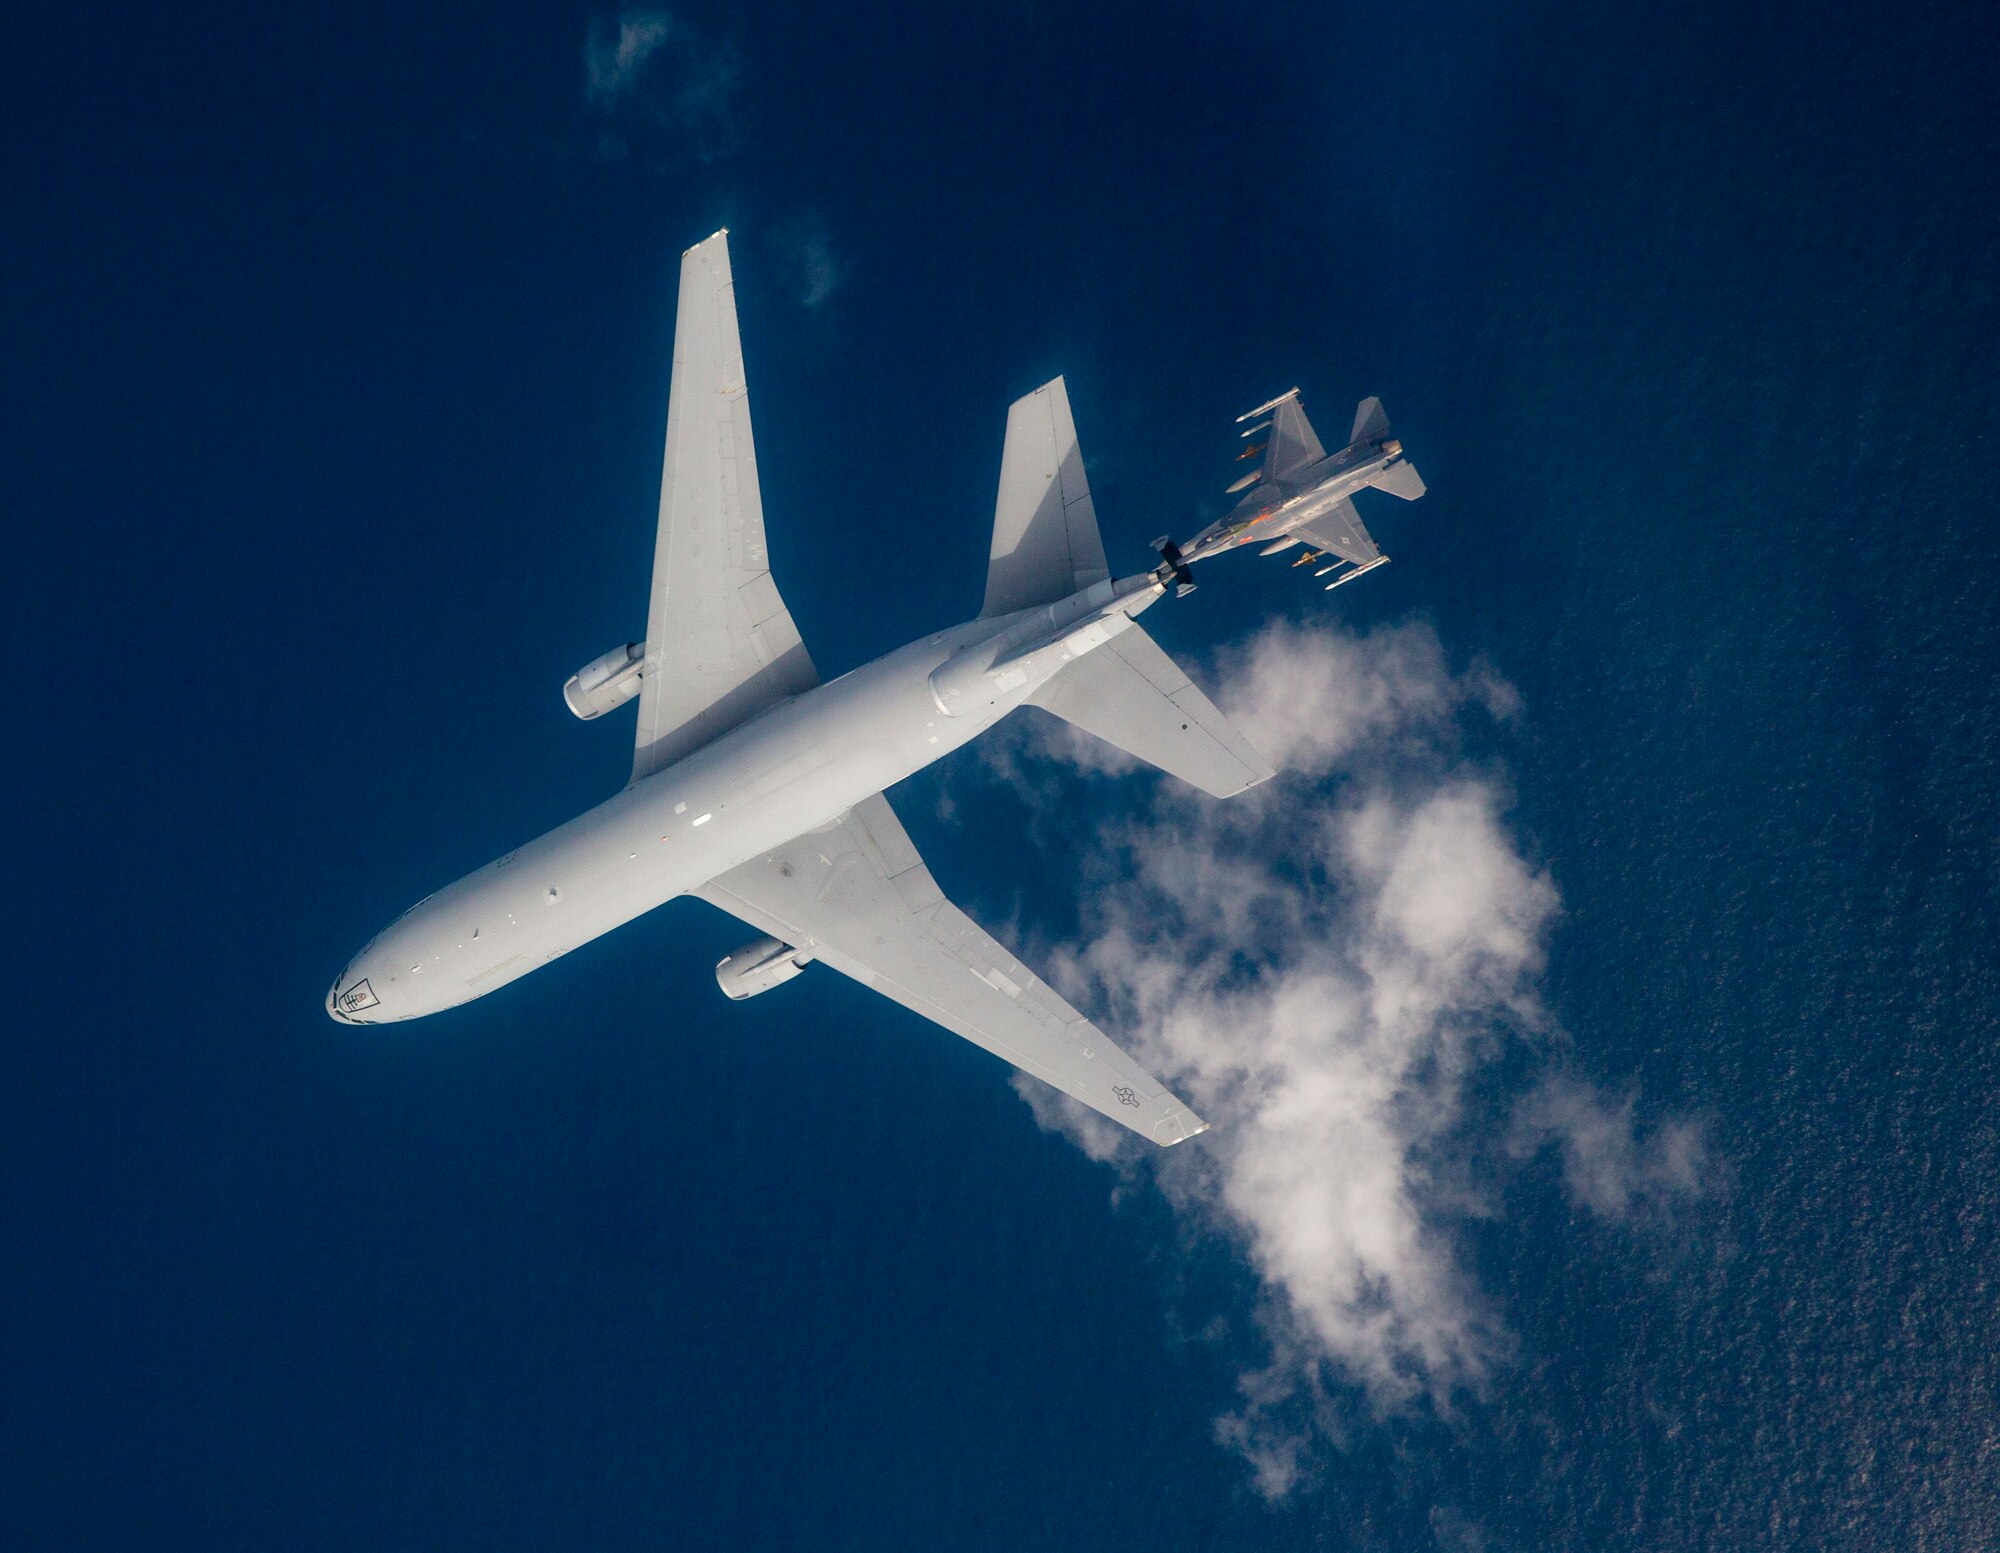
pixel 1045 540
pixel 1400 479
pixel 1131 694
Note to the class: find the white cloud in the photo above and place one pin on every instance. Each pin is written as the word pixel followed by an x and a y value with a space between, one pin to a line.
pixel 1607 1166
pixel 822 272
pixel 654 74
pixel 1320 967
pixel 613 59
pixel 1309 697
pixel 816 270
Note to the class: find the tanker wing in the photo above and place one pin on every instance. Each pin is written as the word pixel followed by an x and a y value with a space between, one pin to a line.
pixel 856 896
pixel 720 644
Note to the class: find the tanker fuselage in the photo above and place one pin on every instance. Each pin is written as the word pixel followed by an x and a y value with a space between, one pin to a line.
pixel 791 768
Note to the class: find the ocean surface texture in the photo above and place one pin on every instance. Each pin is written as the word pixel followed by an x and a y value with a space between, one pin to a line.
pixel 1658 780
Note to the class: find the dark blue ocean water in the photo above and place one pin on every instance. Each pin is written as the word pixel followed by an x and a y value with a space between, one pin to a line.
pixel 338 360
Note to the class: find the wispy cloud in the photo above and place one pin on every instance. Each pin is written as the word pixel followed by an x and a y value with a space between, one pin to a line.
pixel 1322 968
pixel 815 268
pixel 1610 1166
pixel 614 57
pixel 651 74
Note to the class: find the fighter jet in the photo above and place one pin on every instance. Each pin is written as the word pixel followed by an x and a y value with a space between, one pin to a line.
pixel 759 788
pixel 1298 494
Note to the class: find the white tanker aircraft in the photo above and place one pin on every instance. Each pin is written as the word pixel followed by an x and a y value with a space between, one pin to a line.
pixel 760 789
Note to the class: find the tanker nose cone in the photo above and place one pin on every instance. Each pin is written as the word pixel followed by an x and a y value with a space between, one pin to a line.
pixel 347 1004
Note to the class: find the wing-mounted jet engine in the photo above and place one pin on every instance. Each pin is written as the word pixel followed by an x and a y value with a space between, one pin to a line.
pixel 759 966
pixel 1300 494
pixel 607 683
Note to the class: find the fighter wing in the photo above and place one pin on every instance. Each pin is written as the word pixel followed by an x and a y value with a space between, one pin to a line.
pixel 1290 443
pixel 860 898
pixel 1340 531
pixel 720 644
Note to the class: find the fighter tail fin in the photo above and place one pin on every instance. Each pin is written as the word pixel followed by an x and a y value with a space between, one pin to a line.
pixel 1371 424
pixel 1131 694
pixel 1370 421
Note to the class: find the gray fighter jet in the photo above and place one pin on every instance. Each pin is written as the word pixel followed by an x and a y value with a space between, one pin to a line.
pixel 759 789
pixel 1300 495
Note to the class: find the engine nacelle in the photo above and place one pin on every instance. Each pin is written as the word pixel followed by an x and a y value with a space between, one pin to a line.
pixel 607 683
pixel 758 967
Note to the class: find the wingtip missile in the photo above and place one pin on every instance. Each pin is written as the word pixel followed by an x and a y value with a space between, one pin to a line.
pixel 1268 404
pixel 1380 560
